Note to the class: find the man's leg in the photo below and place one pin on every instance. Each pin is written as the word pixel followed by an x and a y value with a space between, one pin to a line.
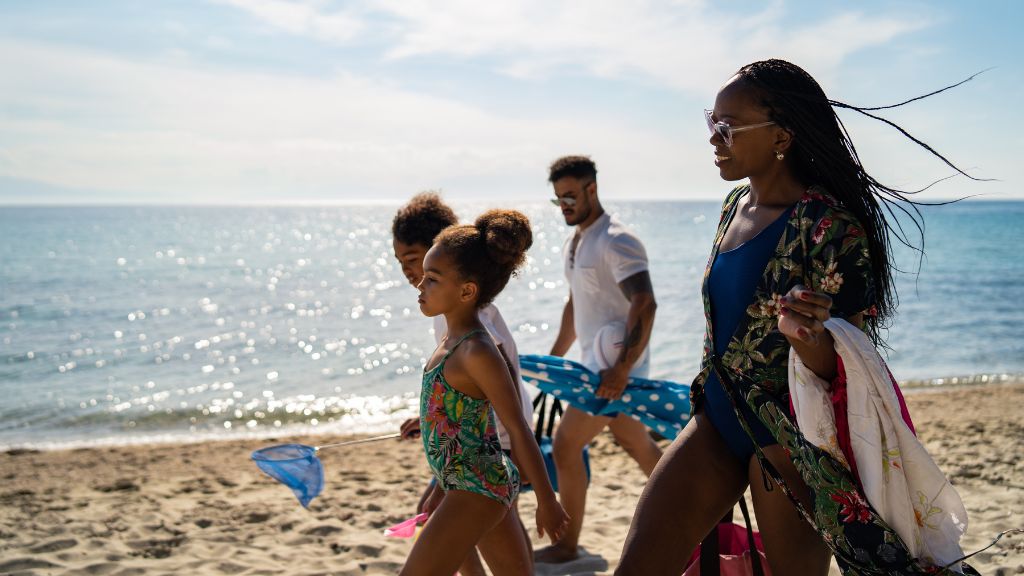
pixel 575 431
pixel 632 435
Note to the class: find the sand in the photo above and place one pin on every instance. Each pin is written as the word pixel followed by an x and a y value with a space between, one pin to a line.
pixel 206 509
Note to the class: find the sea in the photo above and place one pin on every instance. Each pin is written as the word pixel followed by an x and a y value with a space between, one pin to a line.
pixel 123 325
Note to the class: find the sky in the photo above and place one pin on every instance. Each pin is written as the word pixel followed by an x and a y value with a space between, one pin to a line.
pixel 322 101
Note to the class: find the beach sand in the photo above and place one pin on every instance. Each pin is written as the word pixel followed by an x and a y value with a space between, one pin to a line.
pixel 206 509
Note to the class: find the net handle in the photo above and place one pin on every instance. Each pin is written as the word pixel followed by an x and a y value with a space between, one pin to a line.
pixel 360 441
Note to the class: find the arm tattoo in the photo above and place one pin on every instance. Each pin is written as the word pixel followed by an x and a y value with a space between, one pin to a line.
pixel 632 338
pixel 639 283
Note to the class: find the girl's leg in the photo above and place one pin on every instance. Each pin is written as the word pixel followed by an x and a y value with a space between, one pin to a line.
pixel 692 487
pixel 791 545
pixel 507 548
pixel 472 565
pixel 452 532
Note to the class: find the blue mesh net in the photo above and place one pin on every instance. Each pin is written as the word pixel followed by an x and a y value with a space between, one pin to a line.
pixel 294 465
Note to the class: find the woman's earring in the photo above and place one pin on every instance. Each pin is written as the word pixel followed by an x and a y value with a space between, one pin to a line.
pixel 779 155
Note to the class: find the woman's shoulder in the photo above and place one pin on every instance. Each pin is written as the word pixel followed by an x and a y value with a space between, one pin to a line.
pixel 733 196
pixel 817 204
pixel 730 200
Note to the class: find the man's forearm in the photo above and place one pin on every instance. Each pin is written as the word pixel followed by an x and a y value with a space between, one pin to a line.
pixel 639 324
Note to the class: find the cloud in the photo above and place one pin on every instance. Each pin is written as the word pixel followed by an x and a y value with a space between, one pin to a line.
pixel 172 133
pixel 681 45
pixel 184 130
pixel 303 18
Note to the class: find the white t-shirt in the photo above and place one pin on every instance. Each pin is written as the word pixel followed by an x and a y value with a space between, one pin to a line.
pixel 607 253
pixel 495 325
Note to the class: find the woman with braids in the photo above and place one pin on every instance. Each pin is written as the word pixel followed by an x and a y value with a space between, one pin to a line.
pixel 806 240
pixel 465 378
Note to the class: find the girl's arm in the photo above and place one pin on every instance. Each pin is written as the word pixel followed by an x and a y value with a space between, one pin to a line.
pixel 486 368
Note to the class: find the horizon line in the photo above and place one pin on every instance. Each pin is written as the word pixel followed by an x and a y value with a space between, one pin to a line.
pixel 981 198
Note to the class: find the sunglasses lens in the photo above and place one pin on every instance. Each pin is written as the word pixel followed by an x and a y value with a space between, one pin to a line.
pixel 725 132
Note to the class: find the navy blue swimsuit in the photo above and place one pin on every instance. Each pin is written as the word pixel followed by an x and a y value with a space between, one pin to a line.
pixel 734 277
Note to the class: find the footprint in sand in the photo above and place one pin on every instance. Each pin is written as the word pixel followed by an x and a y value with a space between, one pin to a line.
pixel 22 564
pixel 256 517
pixel 322 530
pixel 155 547
pixel 54 546
pixel 101 568
pixel 231 568
pixel 120 485
pixel 368 551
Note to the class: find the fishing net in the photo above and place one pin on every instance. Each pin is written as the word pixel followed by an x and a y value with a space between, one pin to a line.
pixel 294 465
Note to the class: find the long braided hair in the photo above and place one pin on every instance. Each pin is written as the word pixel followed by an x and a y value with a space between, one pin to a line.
pixel 823 154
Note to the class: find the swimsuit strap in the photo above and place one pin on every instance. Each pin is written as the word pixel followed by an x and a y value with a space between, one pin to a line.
pixel 461 340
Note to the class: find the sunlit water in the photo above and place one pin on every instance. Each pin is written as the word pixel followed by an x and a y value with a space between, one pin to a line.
pixel 146 324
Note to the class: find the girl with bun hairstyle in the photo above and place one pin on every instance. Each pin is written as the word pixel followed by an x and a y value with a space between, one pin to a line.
pixel 465 378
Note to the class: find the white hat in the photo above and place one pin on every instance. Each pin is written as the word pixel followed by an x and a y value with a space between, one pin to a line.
pixel 608 344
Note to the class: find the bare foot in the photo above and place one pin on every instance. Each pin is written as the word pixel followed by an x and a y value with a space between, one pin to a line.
pixel 555 554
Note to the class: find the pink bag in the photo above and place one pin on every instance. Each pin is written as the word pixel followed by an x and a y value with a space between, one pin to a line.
pixel 729 552
pixel 405 529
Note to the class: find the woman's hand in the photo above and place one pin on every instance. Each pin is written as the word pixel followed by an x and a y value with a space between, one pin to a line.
pixel 551 519
pixel 803 314
pixel 802 320
pixel 410 428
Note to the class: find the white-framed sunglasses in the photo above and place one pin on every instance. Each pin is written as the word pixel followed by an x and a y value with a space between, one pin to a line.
pixel 565 201
pixel 726 131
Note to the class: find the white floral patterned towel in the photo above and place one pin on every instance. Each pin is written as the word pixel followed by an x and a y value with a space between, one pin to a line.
pixel 900 480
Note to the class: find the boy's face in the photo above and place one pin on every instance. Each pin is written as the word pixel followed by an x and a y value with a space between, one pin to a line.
pixel 410 257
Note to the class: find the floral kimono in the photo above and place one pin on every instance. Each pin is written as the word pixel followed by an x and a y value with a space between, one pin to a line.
pixel 824 248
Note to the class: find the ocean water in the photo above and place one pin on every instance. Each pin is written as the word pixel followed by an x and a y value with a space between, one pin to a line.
pixel 132 324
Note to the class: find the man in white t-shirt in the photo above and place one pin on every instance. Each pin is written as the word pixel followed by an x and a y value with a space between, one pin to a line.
pixel 413 231
pixel 606 266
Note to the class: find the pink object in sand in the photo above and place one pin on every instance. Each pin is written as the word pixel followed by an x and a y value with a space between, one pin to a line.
pixel 405 529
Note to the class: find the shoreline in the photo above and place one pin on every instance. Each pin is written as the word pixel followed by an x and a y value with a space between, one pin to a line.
pixel 369 424
pixel 204 508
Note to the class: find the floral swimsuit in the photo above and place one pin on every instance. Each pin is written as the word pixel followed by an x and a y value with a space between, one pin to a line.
pixel 460 440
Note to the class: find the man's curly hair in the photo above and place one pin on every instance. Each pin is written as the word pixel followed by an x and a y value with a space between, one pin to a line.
pixel 421 219
pixel 575 166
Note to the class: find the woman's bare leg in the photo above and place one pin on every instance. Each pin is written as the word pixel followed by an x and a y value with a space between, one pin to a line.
pixel 692 487
pixel 791 545
pixel 452 532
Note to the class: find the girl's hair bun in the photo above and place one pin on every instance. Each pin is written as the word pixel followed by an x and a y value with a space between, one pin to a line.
pixel 506 235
